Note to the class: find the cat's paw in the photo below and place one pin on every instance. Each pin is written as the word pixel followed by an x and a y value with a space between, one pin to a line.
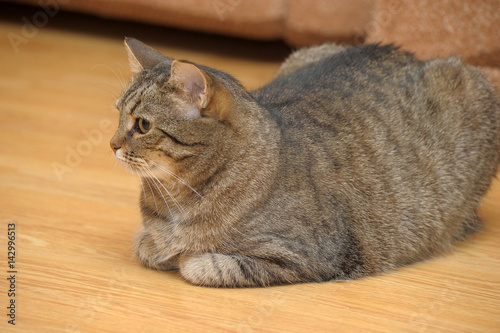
pixel 150 256
pixel 221 270
pixel 204 270
pixel 226 270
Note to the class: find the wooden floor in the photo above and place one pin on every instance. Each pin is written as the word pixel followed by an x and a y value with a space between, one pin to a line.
pixel 75 210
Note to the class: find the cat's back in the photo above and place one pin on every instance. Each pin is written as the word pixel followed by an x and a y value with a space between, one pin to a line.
pixel 404 149
pixel 378 94
pixel 345 76
pixel 358 80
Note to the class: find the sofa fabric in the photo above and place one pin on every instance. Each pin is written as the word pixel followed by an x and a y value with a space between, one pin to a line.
pixel 469 29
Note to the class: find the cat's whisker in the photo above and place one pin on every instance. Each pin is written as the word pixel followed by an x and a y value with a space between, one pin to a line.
pixel 142 185
pixel 180 208
pixel 145 177
pixel 171 173
pixel 122 82
pixel 155 181
pixel 121 78
pixel 109 88
pixel 113 159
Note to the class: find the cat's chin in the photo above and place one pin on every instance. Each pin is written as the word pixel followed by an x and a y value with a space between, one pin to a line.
pixel 135 165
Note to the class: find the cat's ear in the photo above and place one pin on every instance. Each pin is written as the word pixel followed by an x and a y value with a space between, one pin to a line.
pixel 141 56
pixel 193 86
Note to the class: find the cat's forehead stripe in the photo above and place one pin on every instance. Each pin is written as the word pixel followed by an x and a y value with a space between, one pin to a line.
pixel 131 94
pixel 135 106
pixel 133 98
pixel 126 95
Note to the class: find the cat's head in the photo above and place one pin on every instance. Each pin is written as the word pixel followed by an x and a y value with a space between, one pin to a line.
pixel 175 116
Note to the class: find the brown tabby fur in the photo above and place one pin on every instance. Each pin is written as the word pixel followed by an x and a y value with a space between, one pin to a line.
pixel 352 162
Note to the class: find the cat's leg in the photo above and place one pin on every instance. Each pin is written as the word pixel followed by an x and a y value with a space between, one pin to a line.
pixel 306 56
pixel 151 256
pixel 221 270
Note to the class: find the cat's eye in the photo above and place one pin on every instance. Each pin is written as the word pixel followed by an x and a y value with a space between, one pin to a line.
pixel 143 125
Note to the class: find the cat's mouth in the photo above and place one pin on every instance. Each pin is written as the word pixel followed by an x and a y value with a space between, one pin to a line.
pixel 140 166
pixel 145 167
pixel 131 161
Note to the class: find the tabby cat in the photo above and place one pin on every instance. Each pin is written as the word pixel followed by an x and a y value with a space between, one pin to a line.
pixel 352 162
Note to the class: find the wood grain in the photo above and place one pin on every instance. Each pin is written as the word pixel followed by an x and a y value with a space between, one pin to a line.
pixel 76 210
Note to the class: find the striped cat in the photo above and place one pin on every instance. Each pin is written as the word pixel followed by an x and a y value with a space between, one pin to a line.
pixel 352 162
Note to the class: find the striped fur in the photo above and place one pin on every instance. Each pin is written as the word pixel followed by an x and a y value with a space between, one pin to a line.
pixel 352 162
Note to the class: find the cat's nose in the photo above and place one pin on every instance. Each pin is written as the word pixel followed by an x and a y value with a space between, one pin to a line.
pixel 114 147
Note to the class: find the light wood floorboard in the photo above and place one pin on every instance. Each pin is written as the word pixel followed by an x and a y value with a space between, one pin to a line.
pixel 76 211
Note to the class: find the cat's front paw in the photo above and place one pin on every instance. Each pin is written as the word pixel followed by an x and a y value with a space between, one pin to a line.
pixel 150 256
pixel 218 270
pixel 201 270
pixel 224 270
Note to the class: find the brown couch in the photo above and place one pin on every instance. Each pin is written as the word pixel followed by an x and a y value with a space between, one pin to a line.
pixel 299 22
pixel 429 28
pixel 469 29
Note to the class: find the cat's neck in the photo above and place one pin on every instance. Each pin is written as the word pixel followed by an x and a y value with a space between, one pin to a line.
pixel 215 201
